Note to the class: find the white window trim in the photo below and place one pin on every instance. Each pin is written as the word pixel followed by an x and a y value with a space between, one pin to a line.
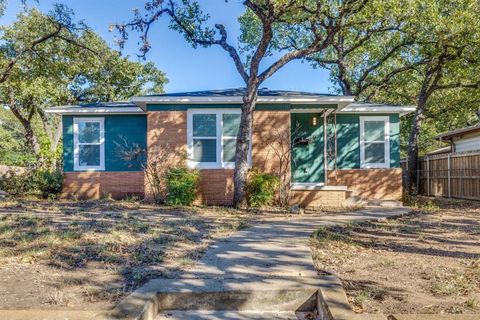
pixel 385 164
pixel 76 160
pixel 219 164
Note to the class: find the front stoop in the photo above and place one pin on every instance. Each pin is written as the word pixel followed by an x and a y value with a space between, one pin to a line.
pixel 255 298
pixel 232 315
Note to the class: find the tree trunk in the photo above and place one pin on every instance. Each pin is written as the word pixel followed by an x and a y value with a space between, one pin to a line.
pixel 412 157
pixel 30 136
pixel 243 146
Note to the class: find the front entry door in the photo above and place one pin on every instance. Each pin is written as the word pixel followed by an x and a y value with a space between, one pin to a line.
pixel 307 148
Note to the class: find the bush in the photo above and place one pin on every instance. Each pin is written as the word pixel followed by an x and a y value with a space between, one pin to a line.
pixel 181 186
pixel 41 183
pixel 261 189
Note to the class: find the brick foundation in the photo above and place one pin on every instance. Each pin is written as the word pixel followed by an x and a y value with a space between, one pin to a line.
pixel 370 184
pixel 318 198
pixel 215 187
pixel 94 185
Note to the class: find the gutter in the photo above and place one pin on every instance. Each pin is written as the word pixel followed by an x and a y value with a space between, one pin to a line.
pixel 141 102
pixel 72 110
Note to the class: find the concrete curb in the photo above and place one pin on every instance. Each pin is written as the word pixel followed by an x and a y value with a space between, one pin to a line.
pixel 335 306
pixel 142 304
pixel 47 314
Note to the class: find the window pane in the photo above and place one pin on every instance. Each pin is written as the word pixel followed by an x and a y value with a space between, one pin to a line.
pixel 89 155
pixel 229 150
pixel 374 152
pixel 204 150
pixel 89 132
pixel 231 123
pixel 204 125
pixel 374 130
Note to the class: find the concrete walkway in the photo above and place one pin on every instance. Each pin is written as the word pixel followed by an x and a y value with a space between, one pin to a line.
pixel 276 247
pixel 263 269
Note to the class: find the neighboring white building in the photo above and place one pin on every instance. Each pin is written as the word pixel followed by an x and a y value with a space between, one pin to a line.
pixel 462 140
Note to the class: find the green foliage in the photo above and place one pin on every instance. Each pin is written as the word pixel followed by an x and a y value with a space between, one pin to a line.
pixel 261 188
pixel 181 186
pixel 41 183
pixel 83 69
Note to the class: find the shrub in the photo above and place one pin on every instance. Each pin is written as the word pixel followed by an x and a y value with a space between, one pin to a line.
pixel 41 183
pixel 261 189
pixel 181 186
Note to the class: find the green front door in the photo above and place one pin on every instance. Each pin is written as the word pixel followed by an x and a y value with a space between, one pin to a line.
pixel 307 148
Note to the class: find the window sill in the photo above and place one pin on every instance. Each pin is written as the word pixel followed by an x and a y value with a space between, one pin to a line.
pixel 206 165
pixel 80 169
pixel 375 166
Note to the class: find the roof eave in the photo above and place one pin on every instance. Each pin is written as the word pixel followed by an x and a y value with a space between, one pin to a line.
pixel 140 101
pixel 447 136
pixel 402 110
pixel 78 110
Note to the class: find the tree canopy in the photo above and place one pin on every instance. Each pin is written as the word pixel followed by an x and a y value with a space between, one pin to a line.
pixel 264 27
pixel 73 66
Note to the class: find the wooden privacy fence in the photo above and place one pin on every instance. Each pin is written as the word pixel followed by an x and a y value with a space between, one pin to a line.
pixel 450 175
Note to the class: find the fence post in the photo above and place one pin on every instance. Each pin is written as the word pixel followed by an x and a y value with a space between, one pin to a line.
pixel 418 175
pixel 462 172
pixel 428 176
pixel 449 175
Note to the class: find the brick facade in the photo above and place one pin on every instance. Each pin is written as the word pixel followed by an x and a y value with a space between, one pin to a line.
pixel 94 185
pixel 215 187
pixel 318 198
pixel 169 129
pixel 384 184
pixel 269 128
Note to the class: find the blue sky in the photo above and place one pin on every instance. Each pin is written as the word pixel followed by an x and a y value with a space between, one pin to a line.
pixel 187 69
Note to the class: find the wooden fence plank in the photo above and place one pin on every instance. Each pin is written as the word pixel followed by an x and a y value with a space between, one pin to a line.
pixel 451 175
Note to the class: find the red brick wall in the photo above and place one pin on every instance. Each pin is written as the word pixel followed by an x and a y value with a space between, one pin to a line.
pixel 94 185
pixel 318 198
pixel 384 184
pixel 216 187
pixel 267 126
pixel 167 128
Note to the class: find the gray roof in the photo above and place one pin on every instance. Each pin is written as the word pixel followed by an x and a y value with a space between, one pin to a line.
pixel 263 92
pixel 106 105
pixel 458 132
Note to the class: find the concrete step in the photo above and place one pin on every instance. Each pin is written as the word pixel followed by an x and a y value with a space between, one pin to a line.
pixel 383 203
pixel 233 315
pixel 257 298
pixel 254 294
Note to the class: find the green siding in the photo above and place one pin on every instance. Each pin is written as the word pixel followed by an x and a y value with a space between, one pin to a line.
pixel 120 130
pixel 348 140
pixel 307 160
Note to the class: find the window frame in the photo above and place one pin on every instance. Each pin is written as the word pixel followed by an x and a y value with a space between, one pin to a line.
pixel 77 144
pixel 386 141
pixel 219 138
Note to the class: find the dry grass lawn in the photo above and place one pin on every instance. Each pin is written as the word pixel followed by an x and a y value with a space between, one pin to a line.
pixel 89 255
pixel 427 262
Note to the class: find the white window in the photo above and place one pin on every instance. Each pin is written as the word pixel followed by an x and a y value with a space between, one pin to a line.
pixel 89 144
pixel 374 142
pixel 212 138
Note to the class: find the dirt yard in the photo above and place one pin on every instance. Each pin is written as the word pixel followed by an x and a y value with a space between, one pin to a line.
pixel 428 262
pixel 89 255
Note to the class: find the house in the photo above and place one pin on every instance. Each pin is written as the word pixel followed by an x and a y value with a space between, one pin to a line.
pixel 361 159
pixel 461 140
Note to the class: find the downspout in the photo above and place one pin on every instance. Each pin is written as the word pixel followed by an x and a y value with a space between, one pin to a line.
pixel 335 137
pixel 325 148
